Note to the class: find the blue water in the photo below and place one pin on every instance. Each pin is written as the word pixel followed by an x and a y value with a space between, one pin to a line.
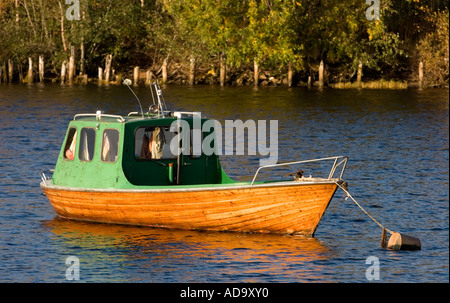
pixel 397 144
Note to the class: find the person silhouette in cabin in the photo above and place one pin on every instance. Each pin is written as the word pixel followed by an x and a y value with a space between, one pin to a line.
pixel 153 144
pixel 70 152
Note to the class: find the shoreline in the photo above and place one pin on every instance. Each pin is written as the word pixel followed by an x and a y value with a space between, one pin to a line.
pixel 376 84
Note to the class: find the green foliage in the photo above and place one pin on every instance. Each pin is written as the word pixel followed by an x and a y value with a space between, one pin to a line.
pixel 274 33
pixel 434 51
pixel 271 33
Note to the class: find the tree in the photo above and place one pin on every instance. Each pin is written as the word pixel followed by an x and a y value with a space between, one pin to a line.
pixel 271 33
pixel 339 33
pixel 434 51
pixel 274 33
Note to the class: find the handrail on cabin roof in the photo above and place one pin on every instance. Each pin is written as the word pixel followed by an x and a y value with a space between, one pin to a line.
pixel 98 115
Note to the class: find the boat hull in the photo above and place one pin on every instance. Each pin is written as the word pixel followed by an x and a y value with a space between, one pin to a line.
pixel 281 208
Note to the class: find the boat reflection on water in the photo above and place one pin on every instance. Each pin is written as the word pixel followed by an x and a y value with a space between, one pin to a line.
pixel 157 255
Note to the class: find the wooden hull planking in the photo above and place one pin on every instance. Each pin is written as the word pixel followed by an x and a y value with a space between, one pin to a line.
pixel 283 209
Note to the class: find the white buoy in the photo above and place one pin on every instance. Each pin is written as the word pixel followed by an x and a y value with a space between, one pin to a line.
pixel 403 242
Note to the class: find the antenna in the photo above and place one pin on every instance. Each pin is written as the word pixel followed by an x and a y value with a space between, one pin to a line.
pixel 127 82
pixel 159 96
pixel 151 91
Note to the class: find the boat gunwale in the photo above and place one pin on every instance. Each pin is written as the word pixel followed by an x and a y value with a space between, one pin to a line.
pixel 191 188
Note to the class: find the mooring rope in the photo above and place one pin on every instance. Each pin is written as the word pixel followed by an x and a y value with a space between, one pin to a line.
pixel 350 196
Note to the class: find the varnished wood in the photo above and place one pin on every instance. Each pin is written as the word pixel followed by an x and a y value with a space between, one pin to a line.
pixel 293 209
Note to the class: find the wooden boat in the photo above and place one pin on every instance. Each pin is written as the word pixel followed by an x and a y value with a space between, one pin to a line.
pixel 105 174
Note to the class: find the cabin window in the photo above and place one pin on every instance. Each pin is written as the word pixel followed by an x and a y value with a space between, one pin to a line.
pixel 69 148
pixel 153 143
pixel 110 145
pixel 87 144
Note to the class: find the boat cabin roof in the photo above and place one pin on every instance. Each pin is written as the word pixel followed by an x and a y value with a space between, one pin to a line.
pixel 100 116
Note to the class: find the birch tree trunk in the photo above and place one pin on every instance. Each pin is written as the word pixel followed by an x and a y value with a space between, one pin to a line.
pixel 29 17
pixel 108 68
pixel 191 70
pixel 222 71
pixel 148 77
pixel 100 76
pixel 359 74
pixel 136 75
pixel 41 69
pixel 10 71
pixel 63 72
pixel 82 67
pixel 29 78
pixel 62 26
pixel 71 65
pixel 290 74
pixel 164 71
pixel 16 4
pixel 321 73
pixel 256 73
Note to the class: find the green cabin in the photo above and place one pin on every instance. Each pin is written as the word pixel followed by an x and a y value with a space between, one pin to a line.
pixel 136 152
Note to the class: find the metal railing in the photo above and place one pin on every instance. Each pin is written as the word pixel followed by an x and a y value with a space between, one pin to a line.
pixel 99 116
pixel 338 160
pixel 44 176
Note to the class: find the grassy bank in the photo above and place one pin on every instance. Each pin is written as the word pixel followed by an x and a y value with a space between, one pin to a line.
pixel 379 84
